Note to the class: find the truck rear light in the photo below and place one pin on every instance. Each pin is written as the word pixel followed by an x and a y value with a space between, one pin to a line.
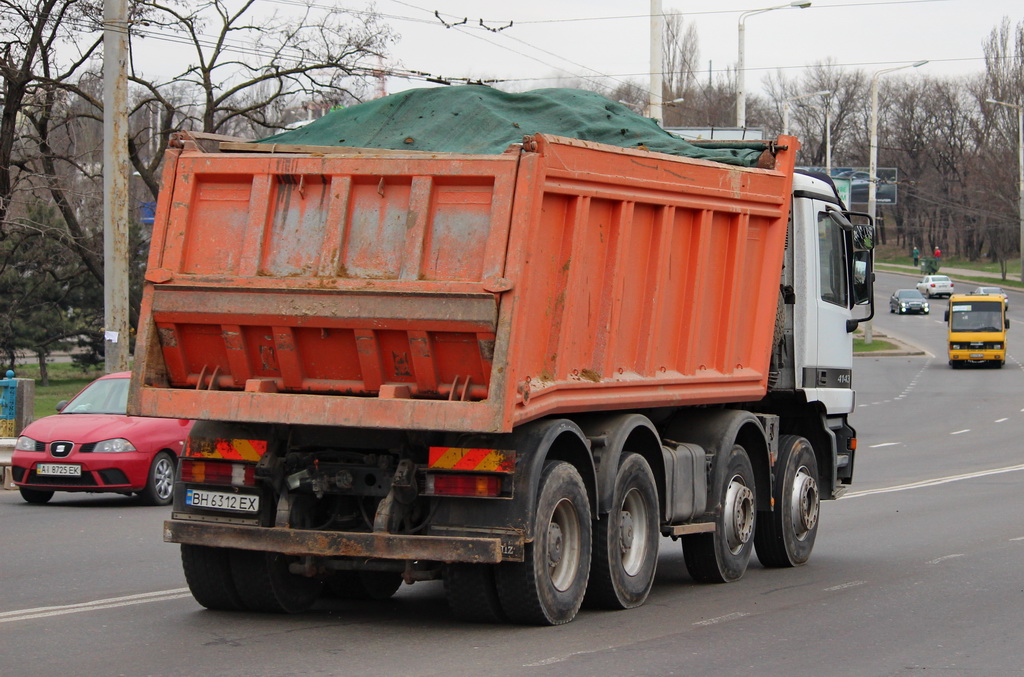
pixel 463 485
pixel 212 472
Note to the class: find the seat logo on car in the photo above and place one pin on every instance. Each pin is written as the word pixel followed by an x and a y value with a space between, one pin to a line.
pixel 61 448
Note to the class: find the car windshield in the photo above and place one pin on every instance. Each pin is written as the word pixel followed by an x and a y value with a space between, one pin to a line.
pixel 106 396
pixel 939 278
pixel 980 316
pixel 908 295
pixel 989 290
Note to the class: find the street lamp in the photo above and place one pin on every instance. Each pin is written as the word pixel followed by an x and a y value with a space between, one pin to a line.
pixel 873 155
pixel 741 96
pixel 1020 170
pixel 785 106
pixel 826 111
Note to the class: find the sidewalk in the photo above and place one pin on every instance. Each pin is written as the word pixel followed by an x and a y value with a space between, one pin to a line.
pixel 951 272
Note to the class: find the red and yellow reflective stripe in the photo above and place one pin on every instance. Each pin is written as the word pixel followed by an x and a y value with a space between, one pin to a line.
pixel 462 458
pixel 232 450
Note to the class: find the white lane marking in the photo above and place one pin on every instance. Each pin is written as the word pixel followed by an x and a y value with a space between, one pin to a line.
pixel 1019 538
pixel 111 603
pixel 1000 420
pixel 558 659
pixel 944 558
pixel 932 483
pixel 844 586
pixel 961 432
pixel 884 444
pixel 723 619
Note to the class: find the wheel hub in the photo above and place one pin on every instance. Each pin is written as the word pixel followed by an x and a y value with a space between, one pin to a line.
pixel 554 545
pixel 805 502
pixel 625 531
pixel 739 514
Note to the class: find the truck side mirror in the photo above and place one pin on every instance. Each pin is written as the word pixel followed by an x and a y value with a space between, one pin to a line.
pixel 945 316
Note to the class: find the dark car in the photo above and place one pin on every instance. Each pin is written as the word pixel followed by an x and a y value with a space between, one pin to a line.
pixel 93 445
pixel 905 301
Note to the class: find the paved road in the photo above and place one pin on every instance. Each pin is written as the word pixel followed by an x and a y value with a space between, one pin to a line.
pixel 917 570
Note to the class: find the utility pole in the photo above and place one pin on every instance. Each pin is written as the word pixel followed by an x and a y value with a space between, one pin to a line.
pixel 657 33
pixel 116 344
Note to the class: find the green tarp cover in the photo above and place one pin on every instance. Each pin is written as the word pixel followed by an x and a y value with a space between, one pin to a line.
pixel 481 120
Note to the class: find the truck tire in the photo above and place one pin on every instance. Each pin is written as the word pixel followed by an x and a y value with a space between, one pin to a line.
pixel 722 556
pixel 160 484
pixel 265 584
pixel 370 585
pixel 785 536
pixel 472 593
pixel 626 541
pixel 548 587
pixel 209 577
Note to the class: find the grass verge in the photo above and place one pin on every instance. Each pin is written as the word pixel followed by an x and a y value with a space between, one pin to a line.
pixel 65 382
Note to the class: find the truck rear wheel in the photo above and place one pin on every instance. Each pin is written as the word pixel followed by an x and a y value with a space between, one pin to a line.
pixel 265 584
pixel 209 577
pixel 785 536
pixel 722 556
pixel 626 542
pixel 472 593
pixel 547 588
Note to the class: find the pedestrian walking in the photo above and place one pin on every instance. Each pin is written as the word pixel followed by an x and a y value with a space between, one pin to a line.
pixel 938 253
pixel 917 255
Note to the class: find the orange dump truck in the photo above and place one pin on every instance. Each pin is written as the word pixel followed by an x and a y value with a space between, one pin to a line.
pixel 514 371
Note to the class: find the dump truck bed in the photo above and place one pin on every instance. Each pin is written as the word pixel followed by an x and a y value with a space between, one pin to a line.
pixel 428 291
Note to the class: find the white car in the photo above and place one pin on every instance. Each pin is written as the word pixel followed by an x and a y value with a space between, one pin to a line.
pixel 935 285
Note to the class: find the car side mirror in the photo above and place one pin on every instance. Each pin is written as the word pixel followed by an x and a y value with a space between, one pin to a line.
pixel 61 405
pixel 945 316
pixel 1007 323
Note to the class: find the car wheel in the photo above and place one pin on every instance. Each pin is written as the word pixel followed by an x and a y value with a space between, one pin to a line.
pixel 37 496
pixel 160 486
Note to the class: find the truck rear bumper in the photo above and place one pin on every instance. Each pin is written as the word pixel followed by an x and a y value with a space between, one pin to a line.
pixel 336 543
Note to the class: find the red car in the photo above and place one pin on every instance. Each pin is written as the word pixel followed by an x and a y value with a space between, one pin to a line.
pixel 93 445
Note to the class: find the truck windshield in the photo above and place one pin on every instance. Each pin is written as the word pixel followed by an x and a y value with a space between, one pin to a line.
pixel 979 316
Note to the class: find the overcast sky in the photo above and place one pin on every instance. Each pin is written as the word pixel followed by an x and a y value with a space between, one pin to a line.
pixel 552 38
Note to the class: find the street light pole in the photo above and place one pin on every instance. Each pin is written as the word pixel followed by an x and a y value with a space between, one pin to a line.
pixel 873 154
pixel 741 95
pixel 1020 172
pixel 657 62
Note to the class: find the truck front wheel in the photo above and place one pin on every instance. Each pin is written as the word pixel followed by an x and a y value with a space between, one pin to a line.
pixel 626 541
pixel 785 536
pixel 547 588
pixel 722 556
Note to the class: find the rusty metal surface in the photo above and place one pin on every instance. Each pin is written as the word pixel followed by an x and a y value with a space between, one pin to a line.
pixel 478 293
pixel 336 544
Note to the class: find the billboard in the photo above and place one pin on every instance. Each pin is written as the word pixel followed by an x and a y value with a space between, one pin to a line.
pixel 885 193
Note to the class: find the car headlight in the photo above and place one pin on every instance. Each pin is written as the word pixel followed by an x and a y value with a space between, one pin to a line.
pixel 25 444
pixel 926 306
pixel 113 446
pixel 903 306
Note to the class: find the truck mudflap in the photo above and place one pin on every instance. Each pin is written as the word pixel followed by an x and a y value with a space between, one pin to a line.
pixel 300 543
